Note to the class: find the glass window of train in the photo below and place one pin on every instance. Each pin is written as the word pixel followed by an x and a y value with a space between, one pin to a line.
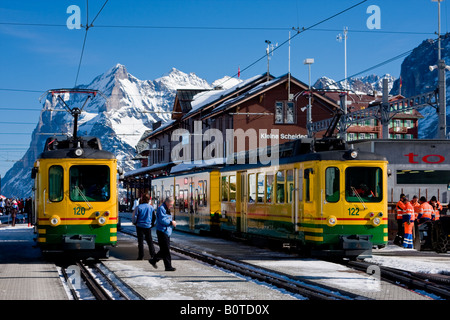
pixel 171 190
pixel 225 188
pixel 200 193
pixel 89 183
pixel 290 185
pixel 251 188
pixel 269 187
pixel 280 186
pixel 260 179
pixel 332 184
pixel 300 185
pixel 233 188
pixel 186 199
pixel 55 183
pixel 363 183
pixel 307 179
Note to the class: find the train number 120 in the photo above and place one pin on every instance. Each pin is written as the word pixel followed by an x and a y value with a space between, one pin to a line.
pixel 353 211
pixel 79 211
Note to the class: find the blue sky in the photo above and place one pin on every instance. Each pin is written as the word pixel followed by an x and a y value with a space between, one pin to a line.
pixel 44 57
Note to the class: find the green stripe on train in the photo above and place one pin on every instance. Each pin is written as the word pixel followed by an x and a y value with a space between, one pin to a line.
pixel 53 235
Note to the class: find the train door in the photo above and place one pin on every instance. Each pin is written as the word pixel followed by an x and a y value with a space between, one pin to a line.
pixel 53 197
pixel 330 195
pixel 297 198
pixel 309 206
pixel 244 200
pixel 192 208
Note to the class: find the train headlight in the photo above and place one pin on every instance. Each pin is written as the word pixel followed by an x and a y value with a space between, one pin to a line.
pixel 376 221
pixel 102 221
pixel 331 221
pixel 55 221
pixel 380 214
pixel 78 152
pixel 354 154
pixel 106 214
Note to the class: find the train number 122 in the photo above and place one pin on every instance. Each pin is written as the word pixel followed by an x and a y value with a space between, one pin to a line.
pixel 353 211
pixel 79 211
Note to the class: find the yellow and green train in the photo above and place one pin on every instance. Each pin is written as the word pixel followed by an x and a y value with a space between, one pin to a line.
pixel 332 202
pixel 75 197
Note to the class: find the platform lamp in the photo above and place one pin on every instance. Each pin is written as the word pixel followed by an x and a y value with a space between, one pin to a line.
pixel 309 62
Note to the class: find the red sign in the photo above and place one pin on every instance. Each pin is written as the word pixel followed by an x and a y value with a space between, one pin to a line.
pixel 430 158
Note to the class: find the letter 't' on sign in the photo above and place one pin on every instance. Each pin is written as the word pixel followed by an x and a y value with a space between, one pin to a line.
pixel 374 21
pixel 74 20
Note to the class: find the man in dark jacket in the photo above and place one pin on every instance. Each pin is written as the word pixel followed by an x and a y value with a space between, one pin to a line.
pixel 164 227
pixel 144 218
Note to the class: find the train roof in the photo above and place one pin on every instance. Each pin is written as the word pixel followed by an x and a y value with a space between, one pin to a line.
pixel 62 147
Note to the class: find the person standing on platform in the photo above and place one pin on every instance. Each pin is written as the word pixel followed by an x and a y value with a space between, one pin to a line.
pixel 408 225
pixel 426 210
pixel 416 205
pixel 144 219
pixel 400 208
pixel 437 208
pixel 164 227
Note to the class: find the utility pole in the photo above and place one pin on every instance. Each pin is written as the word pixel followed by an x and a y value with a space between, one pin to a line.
pixel 384 114
pixel 268 57
pixel 309 62
pixel 442 103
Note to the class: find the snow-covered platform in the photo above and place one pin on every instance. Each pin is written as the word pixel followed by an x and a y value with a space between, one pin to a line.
pixel 309 270
pixel 24 274
pixel 191 281
pixel 411 260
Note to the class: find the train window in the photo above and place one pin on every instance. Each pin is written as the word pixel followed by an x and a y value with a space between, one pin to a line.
pixel 332 184
pixel 307 179
pixel 171 190
pixel 251 188
pixel 363 184
pixel 181 201
pixel 200 193
pixel 89 183
pixel 423 177
pixel 186 200
pixel 233 188
pixel 269 187
pixel 225 188
pixel 280 187
pixel 260 187
pixel 290 185
pixel 55 183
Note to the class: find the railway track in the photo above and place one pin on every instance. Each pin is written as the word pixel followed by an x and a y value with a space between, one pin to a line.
pixel 101 283
pixel 282 281
pixel 438 285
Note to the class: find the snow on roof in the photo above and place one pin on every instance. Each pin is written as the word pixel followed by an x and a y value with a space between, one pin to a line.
pixel 205 98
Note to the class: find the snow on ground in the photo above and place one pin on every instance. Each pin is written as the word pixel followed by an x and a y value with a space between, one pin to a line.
pixel 411 260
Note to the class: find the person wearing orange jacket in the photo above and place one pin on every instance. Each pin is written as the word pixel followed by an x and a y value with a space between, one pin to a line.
pixel 426 210
pixel 416 205
pixel 408 225
pixel 400 209
pixel 437 208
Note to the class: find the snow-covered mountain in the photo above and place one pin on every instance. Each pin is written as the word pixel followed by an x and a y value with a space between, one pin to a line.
pixel 127 108
pixel 363 85
pixel 417 78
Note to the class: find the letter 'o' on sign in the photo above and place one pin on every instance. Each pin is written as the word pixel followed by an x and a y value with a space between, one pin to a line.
pixel 435 158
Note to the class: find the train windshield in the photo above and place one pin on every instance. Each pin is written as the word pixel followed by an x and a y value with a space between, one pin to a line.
pixel 89 183
pixel 363 184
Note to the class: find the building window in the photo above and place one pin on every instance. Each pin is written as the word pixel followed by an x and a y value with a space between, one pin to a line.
pixel 284 112
pixel 351 137
pixel 409 136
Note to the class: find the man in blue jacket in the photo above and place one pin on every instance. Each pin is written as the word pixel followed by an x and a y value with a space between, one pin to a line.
pixel 144 218
pixel 164 227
